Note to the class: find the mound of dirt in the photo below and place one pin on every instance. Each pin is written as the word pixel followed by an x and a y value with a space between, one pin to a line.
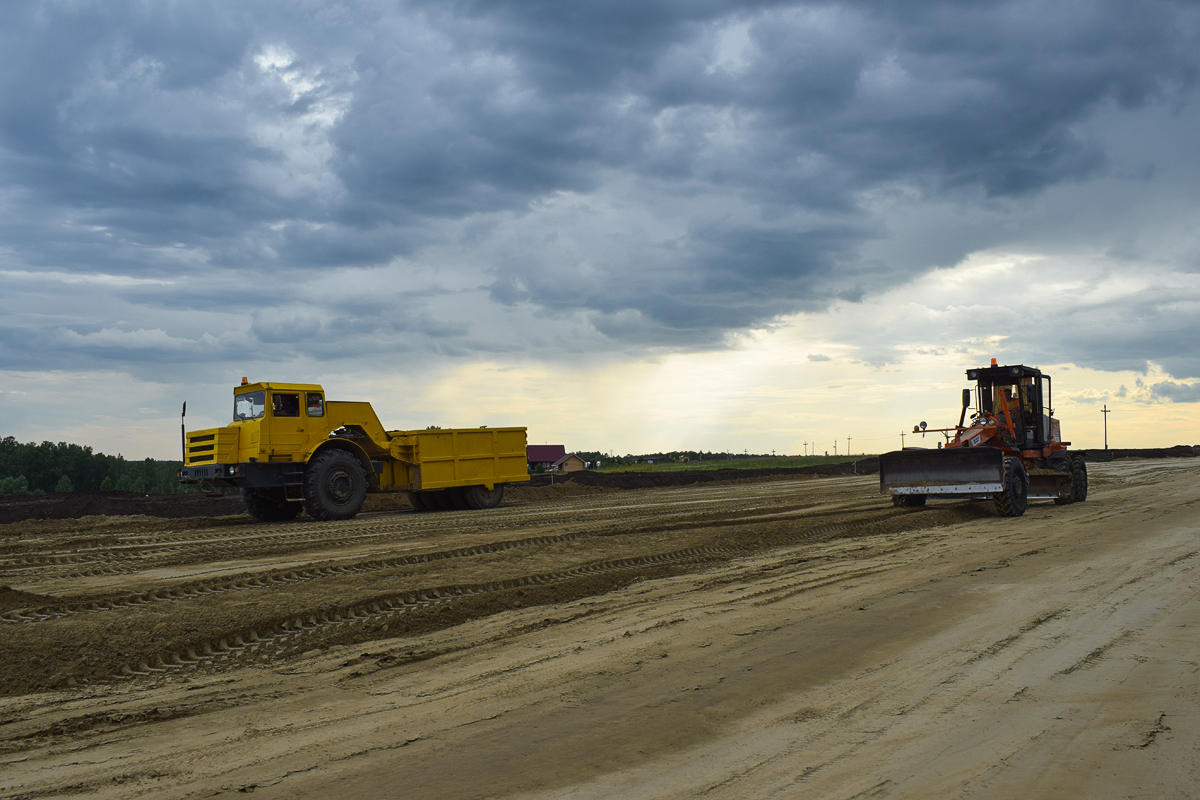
pixel 11 598
pixel 1178 451
pixel 646 480
pixel 72 505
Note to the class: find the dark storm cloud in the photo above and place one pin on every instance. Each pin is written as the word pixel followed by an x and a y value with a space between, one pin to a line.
pixel 1176 392
pixel 743 141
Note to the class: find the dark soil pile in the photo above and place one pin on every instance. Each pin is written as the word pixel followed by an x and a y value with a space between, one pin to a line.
pixel 11 598
pixel 72 505
pixel 1178 451
pixel 646 480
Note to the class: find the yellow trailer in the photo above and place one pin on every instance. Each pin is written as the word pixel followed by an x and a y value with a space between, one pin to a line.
pixel 289 449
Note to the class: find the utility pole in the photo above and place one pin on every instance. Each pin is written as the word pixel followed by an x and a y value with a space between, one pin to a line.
pixel 901 440
pixel 1105 411
pixel 847 445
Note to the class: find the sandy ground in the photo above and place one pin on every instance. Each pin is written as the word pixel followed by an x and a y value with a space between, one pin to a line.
pixel 787 638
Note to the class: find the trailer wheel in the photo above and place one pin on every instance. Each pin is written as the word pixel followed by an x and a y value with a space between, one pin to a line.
pixel 1014 497
pixel 909 500
pixel 334 486
pixel 1079 480
pixel 418 501
pixel 269 505
pixel 479 497
pixel 458 498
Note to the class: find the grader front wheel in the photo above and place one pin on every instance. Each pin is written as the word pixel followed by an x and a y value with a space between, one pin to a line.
pixel 909 500
pixel 1012 499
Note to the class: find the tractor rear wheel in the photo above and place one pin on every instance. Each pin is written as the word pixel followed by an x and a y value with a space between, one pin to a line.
pixel 269 505
pixel 909 500
pixel 458 498
pixel 1012 499
pixel 335 486
pixel 440 499
pixel 480 497
pixel 1079 480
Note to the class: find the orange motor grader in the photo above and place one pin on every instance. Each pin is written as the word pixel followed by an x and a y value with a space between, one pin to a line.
pixel 1010 451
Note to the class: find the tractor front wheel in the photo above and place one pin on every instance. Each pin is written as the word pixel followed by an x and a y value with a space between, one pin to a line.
pixel 335 486
pixel 1012 499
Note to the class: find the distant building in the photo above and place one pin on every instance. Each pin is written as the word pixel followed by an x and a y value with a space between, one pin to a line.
pixel 570 463
pixel 544 455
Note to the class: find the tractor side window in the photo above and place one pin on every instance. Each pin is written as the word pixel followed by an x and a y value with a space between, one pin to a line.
pixel 316 405
pixel 285 405
pixel 250 405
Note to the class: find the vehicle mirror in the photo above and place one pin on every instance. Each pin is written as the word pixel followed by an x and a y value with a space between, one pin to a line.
pixel 966 398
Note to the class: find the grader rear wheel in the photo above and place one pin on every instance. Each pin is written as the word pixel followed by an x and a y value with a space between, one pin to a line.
pixel 1063 466
pixel 1079 480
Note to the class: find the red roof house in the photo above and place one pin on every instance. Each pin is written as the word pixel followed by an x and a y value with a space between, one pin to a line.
pixel 546 454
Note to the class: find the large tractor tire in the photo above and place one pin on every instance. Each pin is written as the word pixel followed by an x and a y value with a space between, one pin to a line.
pixel 269 505
pixel 439 500
pixel 480 498
pixel 1011 500
pixel 335 486
pixel 457 497
pixel 1079 480
pixel 909 500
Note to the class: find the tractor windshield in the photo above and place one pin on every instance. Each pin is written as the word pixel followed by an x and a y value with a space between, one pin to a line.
pixel 250 405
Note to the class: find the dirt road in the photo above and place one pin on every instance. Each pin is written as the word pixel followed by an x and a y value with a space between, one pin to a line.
pixel 786 638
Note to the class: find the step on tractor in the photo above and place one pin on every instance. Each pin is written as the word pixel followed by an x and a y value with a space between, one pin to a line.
pixel 1010 451
pixel 289 449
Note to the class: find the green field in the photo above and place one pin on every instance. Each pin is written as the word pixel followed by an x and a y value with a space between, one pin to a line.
pixel 736 463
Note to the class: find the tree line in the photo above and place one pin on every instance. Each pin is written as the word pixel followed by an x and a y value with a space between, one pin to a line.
pixel 28 468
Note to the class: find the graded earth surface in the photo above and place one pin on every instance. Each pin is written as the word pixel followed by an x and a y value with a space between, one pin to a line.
pixel 795 636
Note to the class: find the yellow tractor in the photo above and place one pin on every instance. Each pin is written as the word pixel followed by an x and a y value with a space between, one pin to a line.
pixel 288 449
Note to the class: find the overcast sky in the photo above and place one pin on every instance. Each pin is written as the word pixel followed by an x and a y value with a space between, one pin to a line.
pixel 628 225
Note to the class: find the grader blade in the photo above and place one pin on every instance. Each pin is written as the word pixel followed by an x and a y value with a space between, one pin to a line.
pixel 950 471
